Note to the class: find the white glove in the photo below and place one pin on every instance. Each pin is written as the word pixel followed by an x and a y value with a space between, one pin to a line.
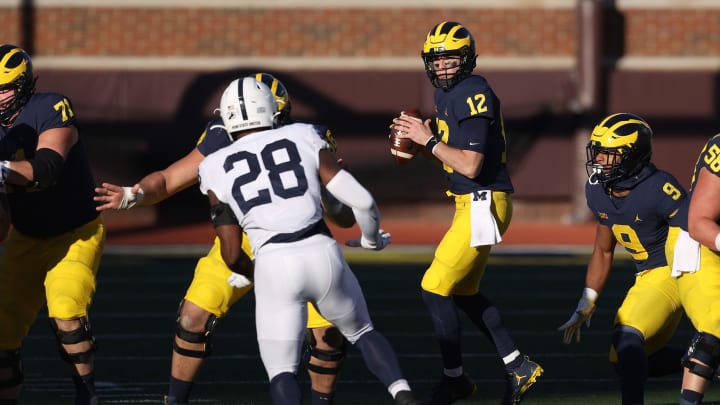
pixel 237 280
pixel 130 199
pixel 583 313
pixel 382 241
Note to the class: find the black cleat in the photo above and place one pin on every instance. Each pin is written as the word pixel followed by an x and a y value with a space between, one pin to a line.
pixel 520 380
pixel 406 398
pixel 452 389
pixel 168 400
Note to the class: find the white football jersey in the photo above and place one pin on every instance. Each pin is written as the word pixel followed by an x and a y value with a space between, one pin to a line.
pixel 270 179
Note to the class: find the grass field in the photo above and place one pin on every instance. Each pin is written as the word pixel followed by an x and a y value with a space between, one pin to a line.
pixel 134 313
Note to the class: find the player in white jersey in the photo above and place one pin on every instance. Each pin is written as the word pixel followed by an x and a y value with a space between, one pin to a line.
pixel 268 183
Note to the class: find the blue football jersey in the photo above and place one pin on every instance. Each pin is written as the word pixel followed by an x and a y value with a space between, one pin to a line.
pixel 640 220
pixel 473 98
pixel 69 202
pixel 710 159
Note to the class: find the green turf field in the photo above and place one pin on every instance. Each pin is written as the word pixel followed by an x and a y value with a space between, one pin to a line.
pixel 134 314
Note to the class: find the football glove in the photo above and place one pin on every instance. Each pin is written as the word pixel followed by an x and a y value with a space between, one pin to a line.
pixel 4 173
pixel 130 199
pixel 382 241
pixel 582 314
pixel 237 280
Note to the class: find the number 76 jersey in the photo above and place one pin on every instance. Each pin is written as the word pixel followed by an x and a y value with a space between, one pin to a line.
pixel 270 180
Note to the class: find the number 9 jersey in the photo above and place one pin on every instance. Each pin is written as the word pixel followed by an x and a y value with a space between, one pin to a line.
pixel 640 220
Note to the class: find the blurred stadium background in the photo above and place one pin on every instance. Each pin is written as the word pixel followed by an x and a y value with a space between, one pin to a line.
pixel 145 75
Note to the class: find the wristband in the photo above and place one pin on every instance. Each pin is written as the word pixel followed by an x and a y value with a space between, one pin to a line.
pixel 431 143
pixel 717 242
pixel 590 295
pixel 131 199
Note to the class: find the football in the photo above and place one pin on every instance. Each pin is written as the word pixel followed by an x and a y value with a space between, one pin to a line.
pixel 402 149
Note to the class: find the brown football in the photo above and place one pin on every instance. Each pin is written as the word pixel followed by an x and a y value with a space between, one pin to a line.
pixel 403 149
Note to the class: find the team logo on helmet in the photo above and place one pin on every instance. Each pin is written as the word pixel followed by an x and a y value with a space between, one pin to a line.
pixel 247 104
pixel 449 39
pixel 15 74
pixel 281 96
pixel 620 146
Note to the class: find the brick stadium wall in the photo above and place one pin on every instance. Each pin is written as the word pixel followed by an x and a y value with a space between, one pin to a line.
pixel 144 76
pixel 681 30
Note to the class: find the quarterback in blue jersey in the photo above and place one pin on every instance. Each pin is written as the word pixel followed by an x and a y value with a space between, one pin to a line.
pixel 636 205
pixel 699 282
pixel 209 296
pixel 53 252
pixel 469 141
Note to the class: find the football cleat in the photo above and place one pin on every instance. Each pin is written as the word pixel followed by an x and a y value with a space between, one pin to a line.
pixel 405 398
pixel 451 389
pixel 168 400
pixel 520 380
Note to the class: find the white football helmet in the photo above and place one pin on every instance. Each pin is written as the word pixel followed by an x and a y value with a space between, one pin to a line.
pixel 247 104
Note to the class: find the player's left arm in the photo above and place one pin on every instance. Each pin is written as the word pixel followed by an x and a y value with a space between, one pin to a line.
pixel 704 211
pixel 45 167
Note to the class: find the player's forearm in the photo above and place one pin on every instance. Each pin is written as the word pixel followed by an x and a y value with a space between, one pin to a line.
pixel 159 186
pixel 598 270
pixel 705 231
pixel 465 162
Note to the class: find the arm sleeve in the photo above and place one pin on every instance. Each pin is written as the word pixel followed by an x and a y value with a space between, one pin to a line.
pixel 349 192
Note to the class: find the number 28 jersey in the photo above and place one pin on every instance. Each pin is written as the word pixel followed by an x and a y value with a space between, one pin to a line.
pixel 269 179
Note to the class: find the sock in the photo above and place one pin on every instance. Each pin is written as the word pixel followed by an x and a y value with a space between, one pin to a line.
pixel 180 390
pixel 398 386
pixel 321 398
pixel 513 361
pixel 84 388
pixel 453 372
pixel 379 357
pixel 689 397
pixel 632 365
pixel 447 328
pixel 485 315
pixel 284 389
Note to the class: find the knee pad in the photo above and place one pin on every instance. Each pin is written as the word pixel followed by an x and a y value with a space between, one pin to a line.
pixel 81 334
pixel 335 340
pixel 204 337
pixel 704 348
pixel 10 362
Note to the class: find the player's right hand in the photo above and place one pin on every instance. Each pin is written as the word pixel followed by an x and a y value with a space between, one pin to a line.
pixel 383 240
pixel 582 314
pixel 111 196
